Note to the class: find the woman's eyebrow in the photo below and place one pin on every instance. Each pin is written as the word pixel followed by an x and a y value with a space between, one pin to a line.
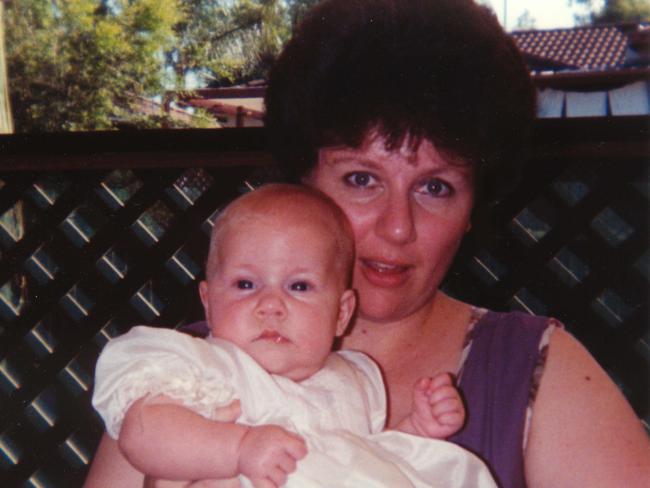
pixel 352 158
pixel 465 171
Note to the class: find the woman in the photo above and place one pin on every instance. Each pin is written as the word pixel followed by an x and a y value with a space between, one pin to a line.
pixel 412 116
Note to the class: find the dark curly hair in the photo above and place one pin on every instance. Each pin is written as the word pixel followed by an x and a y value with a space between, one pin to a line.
pixel 441 70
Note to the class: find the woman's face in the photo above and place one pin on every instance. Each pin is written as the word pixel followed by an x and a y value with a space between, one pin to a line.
pixel 409 211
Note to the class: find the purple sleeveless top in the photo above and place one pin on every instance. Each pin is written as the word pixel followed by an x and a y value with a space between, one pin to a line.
pixel 496 381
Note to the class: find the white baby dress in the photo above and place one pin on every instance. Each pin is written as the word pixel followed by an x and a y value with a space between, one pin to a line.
pixel 340 411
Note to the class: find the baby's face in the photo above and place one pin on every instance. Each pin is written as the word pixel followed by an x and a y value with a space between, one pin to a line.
pixel 276 292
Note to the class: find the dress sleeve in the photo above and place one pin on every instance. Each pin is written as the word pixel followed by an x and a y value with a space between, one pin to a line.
pixel 150 361
pixel 371 381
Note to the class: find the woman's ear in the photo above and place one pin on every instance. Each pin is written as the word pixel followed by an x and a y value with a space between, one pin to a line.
pixel 347 304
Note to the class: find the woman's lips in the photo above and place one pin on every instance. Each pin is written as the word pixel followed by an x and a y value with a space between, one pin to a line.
pixel 384 274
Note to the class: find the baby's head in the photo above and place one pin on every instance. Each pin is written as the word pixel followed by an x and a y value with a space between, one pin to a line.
pixel 278 276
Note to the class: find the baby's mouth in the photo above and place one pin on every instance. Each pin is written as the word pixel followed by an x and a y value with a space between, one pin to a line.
pixel 272 336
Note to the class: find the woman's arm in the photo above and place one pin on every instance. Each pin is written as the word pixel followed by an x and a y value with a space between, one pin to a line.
pixel 110 469
pixel 583 432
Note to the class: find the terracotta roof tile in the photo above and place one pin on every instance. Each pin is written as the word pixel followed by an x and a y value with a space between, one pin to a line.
pixel 583 48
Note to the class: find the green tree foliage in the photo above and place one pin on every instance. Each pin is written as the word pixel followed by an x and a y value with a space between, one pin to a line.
pixel 81 64
pixel 298 9
pixel 614 11
pixel 78 64
pixel 222 43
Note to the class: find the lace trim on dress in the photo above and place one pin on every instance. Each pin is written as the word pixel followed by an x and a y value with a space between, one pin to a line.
pixel 196 391
pixel 538 372
pixel 476 315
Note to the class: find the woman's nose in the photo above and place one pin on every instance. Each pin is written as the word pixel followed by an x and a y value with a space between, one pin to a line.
pixel 395 223
pixel 270 305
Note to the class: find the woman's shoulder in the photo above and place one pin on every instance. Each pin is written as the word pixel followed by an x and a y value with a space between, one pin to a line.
pixel 583 431
pixel 512 319
pixel 505 337
pixel 512 328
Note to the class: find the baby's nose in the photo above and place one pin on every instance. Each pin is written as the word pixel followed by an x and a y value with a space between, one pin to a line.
pixel 271 306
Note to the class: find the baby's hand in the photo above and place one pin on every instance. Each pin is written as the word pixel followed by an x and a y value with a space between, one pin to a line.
pixel 228 413
pixel 155 483
pixel 438 410
pixel 268 454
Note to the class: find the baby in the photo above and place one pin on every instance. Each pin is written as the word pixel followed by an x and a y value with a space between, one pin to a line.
pixel 276 296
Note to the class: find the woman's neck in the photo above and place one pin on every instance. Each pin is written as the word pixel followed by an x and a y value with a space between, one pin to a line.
pixel 388 342
pixel 417 346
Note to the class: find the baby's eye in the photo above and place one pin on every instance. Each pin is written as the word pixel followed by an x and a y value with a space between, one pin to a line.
pixel 435 188
pixel 244 284
pixel 359 179
pixel 300 286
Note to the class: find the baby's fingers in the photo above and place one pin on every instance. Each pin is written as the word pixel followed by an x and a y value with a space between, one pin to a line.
pixel 263 483
pixel 277 476
pixel 452 421
pixel 228 413
pixel 443 394
pixel 296 447
pixel 288 463
pixel 441 380
pixel 447 410
pixel 423 384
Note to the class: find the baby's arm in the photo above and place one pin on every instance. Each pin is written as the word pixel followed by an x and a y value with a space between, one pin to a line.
pixel 438 410
pixel 169 441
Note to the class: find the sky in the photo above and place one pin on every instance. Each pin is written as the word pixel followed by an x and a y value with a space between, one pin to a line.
pixel 548 14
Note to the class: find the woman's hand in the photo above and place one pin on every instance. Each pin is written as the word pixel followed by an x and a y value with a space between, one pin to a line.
pixel 268 454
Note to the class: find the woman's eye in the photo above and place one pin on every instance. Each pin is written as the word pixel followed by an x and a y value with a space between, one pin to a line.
pixel 244 284
pixel 300 286
pixel 359 179
pixel 436 188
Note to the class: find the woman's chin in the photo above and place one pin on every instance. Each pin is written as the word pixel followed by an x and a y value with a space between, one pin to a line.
pixel 383 310
pixel 381 305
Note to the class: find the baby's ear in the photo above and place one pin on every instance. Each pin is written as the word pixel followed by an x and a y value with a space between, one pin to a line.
pixel 203 293
pixel 347 304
